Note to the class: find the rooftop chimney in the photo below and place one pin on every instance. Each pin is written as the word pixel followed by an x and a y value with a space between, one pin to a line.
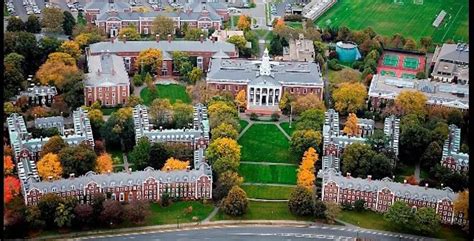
pixel 405 182
pixel 71 176
pixel 369 177
pixel 348 175
pixel 201 38
pixel 108 172
pixel 188 168
pixel 169 38
pixel 157 38
pixel 124 38
pixel 50 178
pixel 426 186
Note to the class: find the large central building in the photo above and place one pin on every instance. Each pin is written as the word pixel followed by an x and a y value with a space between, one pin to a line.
pixel 265 81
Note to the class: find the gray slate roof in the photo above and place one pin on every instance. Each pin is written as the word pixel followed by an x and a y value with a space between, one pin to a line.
pixel 111 68
pixel 186 46
pixel 399 189
pixel 52 121
pixel 39 90
pixel 285 73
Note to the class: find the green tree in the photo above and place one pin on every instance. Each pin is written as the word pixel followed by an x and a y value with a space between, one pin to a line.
pixel 431 156
pixel 161 112
pixel 400 214
pixel 163 26
pixel 275 46
pixel 319 209
pixel 185 69
pixel 426 220
pixel 54 145
pixel 129 33
pixel 137 80
pixel 52 20
pixel 15 24
pixel 47 206
pixel 301 140
pixel 301 201
pixel 239 41
pixel 182 114
pixel 64 215
pixel 195 75
pixel 68 23
pixel 24 44
pixel 224 130
pixel 179 58
pixel 158 156
pixel 133 101
pixel 77 159
pixel 13 78
pixel 194 34
pixel 355 154
pixel 311 119
pixel 33 24
pixel 226 164
pixel 140 154
pixel 96 118
pixel 414 139
pixel 225 182
pixel 235 204
pixel 378 141
pixel 119 129
pixel 421 75
pixel 332 211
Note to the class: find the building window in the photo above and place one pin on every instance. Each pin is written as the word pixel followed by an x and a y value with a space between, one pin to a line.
pixel 145 30
pixel 113 196
pixel 121 197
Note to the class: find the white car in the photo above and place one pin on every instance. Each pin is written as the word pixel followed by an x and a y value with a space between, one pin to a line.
pixel 36 10
pixel 69 5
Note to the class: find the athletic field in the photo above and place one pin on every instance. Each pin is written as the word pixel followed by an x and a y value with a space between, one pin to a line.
pixel 409 19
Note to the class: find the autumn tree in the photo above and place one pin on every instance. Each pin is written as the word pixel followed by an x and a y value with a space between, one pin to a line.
pixel 104 163
pixel 349 97
pixel 84 214
pixel 306 171
pixel 11 188
pixel 54 145
pixel 286 102
pixel 195 75
pixel 71 48
pixel 182 114
pixel 7 165
pixel 350 127
pixel 236 203
pixel 305 102
pixel 239 41
pixel 161 112
pixel 129 33
pixel 241 99
pixel 175 164
pixel 194 34
pixel 300 202
pixel 461 204
pixel 163 26
pixel 149 60
pixel 244 22
pixel 223 148
pixel 360 160
pixel 53 19
pixel 410 44
pixel 96 118
pixel 411 102
pixel 112 213
pixel 77 159
pixel 224 130
pixel 302 140
pixel 56 69
pixel 225 182
pixel 50 166
pixel 136 211
pixel 133 101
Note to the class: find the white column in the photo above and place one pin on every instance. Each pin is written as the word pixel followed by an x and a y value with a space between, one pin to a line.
pixel 248 96
pixel 261 94
pixel 267 96
pixel 254 95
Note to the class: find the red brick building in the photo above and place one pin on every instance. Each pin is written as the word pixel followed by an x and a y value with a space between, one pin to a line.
pixel 379 195
pixel 107 80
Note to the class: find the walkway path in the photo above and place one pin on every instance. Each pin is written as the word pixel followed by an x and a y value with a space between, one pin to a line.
pixel 284 132
pixel 269 163
pixel 244 130
pixel 211 215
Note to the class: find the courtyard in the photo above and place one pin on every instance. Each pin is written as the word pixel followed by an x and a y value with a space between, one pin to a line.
pixel 173 92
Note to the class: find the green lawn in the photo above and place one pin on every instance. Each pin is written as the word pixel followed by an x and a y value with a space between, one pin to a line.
pixel 295 25
pixel 267 192
pixel 168 215
pixel 286 127
pixel 260 173
pixel 408 19
pixel 265 143
pixel 262 32
pixel 243 124
pixel 264 211
pixel 172 92
pixel 108 111
pixel 373 220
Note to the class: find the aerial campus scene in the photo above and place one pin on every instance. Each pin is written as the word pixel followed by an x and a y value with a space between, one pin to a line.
pixel 236 120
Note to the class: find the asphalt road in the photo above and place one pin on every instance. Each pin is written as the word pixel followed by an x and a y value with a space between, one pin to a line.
pixel 268 233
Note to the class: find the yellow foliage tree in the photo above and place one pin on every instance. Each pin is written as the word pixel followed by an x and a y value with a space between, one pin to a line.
pixel 349 97
pixel 61 57
pixel 72 48
pixel 306 171
pixel 240 99
pixel 104 163
pixel 351 128
pixel 50 165
pixel 461 204
pixel 243 23
pixel 150 58
pixel 175 164
pixel 129 33
pixel 7 165
pixel 56 68
pixel 411 102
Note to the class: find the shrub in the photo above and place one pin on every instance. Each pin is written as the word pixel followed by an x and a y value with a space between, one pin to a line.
pixel 359 205
pixel 235 204
pixel 137 80
pixel 421 75
pixel 275 116
pixel 253 116
pixel 165 199
pixel 319 209
pixel 301 202
pixel 293 18
pixel 334 65
pixel 347 206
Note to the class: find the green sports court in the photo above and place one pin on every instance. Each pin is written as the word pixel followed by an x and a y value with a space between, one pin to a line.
pixel 390 60
pixel 411 63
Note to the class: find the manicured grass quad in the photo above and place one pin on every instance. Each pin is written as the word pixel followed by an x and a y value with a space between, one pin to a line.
pixel 263 173
pixel 243 124
pixel 168 215
pixel 268 192
pixel 286 126
pixel 409 19
pixel 265 143
pixel 172 92
pixel 264 211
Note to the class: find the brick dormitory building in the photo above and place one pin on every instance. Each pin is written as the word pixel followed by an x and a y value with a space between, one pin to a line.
pixel 147 184
pixel 379 195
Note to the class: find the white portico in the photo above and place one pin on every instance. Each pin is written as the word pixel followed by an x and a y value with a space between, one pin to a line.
pixel 264 92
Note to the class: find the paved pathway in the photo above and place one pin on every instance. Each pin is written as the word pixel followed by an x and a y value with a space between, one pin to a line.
pixel 270 163
pixel 284 132
pixel 211 215
pixel 244 130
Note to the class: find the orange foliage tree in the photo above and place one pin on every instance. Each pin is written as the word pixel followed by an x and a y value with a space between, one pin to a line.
pixel 11 188
pixel 411 180
pixel 306 171
pixel 104 163
pixel 50 165
pixel 244 22
pixel 7 165
pixel 351 128
pixel 175 164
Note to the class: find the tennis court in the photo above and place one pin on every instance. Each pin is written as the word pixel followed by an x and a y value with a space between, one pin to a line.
pixel 410 63
pixel 387 72
pixel 390 60
pixel 408 76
